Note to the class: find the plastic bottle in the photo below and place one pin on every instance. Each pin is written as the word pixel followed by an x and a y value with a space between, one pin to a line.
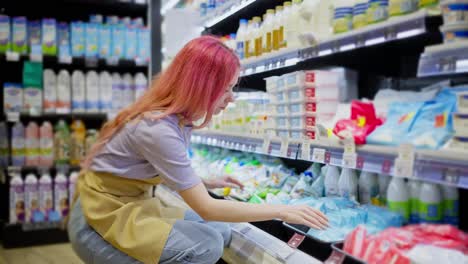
pixel 232 41
pixel 348 184
pixel 50 91
pixel 71 186
pixel 248 40
pixel 78 92
pixel 292 26
pixel 257 36
pixel 46 205
pixel 78 138
pixel 343 16
pixel 368 188
pixel 32 144
pixel 62 143
pixel 128 90
pixel 331 181
pixel 63 92
pixel 430 203
pixel 414 189
pixel 277 28
pixel 141 85
pixel 46 144
pixel 240 38
pixel 17 144
pixel 384 181
pixel 17 206
pixel 267 30
pixel 401 7
pixel 451 208
pixel 117 92
pixel 4 155
pixel 286 13
pixel 92 92
pixel 398 197
pixel 105 92
pixel 31 198
pixel 61 195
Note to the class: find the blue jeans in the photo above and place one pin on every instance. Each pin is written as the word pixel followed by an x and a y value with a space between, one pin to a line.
pixel 191 240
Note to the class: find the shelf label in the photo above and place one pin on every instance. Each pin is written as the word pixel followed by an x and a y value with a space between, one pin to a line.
pixel 452 176
pixel 404 164
pixel 327 157
pixel 13 116
pixel 12 56
pixel 266 145
pixel 360 163
pixel 335 258
pixel 284 147
pixel 318 155
pixel 65 59
pixel 35 57
pixel 305 150
pixel 296 240
pixel 386 166
pixel 349 154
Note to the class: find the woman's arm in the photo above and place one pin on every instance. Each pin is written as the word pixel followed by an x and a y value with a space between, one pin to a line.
pixel 212 209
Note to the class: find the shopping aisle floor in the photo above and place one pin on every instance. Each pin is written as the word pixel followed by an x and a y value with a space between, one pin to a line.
pixel 51 254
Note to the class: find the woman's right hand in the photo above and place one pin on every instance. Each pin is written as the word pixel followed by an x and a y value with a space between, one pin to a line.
pixel 303 215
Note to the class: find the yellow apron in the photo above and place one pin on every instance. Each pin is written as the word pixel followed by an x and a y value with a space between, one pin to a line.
pixel 126 215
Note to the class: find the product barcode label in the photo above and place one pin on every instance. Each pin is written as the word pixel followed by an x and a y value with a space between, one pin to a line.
pixel 318 155
pixel 305 150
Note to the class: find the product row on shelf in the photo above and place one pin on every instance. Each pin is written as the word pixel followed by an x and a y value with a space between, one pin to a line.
pixel 117 38
pixel 91 92
pixel 46 199
pixel 46 145
pixel 385 203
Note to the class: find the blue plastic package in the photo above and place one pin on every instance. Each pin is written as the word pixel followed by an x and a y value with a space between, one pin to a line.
pixel 400 118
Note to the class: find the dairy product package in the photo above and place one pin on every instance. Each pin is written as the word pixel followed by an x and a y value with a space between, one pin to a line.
pixel 128 90
pixel 49 36
pixel 131 44
pixel 104 41
pixel 35 36
pixel 118 41
pixel 92 41
pixel 78 91
pixel 50 91
pixel 5 42
pixel 12 97
pixel 92 92
pixel 143 44
pixel 63 39
pixel 77 39
pixel 19 35
pixel 105 91
pixel 63 92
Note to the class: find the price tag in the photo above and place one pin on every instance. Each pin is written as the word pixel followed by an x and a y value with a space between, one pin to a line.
pixel 266 145
pixel 360 163
pixel 284 147
pixel 35 57
pixel 65 60
pixel 13 116
pixel 321 132
pixel 349 146
pixel 452 176
pixel 296 240
pixel 335 258
pixel 386 166
pixel 12 56
pixel 349 160
pixel 318 155
pixel 404 164
pixel 327 157
pixel 305 150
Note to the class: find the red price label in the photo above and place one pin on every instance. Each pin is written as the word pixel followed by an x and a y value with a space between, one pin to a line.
pixel 296 240
pixel 386 165
pixel 327 157
pixel 360 163
pixel 269 149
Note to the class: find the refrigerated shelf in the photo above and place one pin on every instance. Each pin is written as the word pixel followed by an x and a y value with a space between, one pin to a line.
pixel 446 167
pixel 444 59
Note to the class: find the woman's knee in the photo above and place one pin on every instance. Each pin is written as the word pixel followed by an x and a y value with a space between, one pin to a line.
pixel 212 248
pixel 225 230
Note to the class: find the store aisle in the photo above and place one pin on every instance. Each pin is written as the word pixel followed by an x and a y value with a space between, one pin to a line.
pixel 51 254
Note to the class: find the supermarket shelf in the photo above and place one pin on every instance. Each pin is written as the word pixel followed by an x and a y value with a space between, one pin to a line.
pixel 28 169
pixel 394 30
pixel 227 13
pixel 32 234
pixel 15 116
pixel 446 167
pixel 444 59
pixel 260 145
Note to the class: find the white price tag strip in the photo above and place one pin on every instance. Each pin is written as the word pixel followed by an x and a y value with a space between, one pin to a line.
pixel 452 176
pixel 13 116
pixel 404 164
pixel 266 145
pixel 318 155
pixel 12 56
pixel 65 59
pixel 284 147
pixel 35 57
pixel 305 150
pixel 349 160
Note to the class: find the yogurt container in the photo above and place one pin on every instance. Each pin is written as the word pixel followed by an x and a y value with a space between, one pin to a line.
pixel 304 107
pixel 281 108
pixel 282 133
pixel 280 83
pixel 377 11
pixel 359 15
pixel 281 96
pixel 455 32
pixel 301 78
pixel 462 102
pixel 281 121
pixel 300 121
pixel 455 11
pixel 313 92
pixel 271 84
pixel 308 133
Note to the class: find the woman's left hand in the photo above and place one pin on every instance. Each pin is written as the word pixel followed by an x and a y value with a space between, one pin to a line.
pixel 226 181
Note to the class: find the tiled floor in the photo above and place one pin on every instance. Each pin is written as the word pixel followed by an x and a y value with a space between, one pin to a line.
pixel 51 254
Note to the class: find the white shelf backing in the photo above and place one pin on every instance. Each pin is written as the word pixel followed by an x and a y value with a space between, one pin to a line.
pixel 393 29
pixel 249 244
pixel 440 166
pixel 444 59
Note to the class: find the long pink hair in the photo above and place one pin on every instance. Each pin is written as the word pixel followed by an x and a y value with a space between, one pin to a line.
pixel 189 87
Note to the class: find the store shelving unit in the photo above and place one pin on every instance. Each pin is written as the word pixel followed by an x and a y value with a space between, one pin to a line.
pixel 11 66
pixel 443 60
